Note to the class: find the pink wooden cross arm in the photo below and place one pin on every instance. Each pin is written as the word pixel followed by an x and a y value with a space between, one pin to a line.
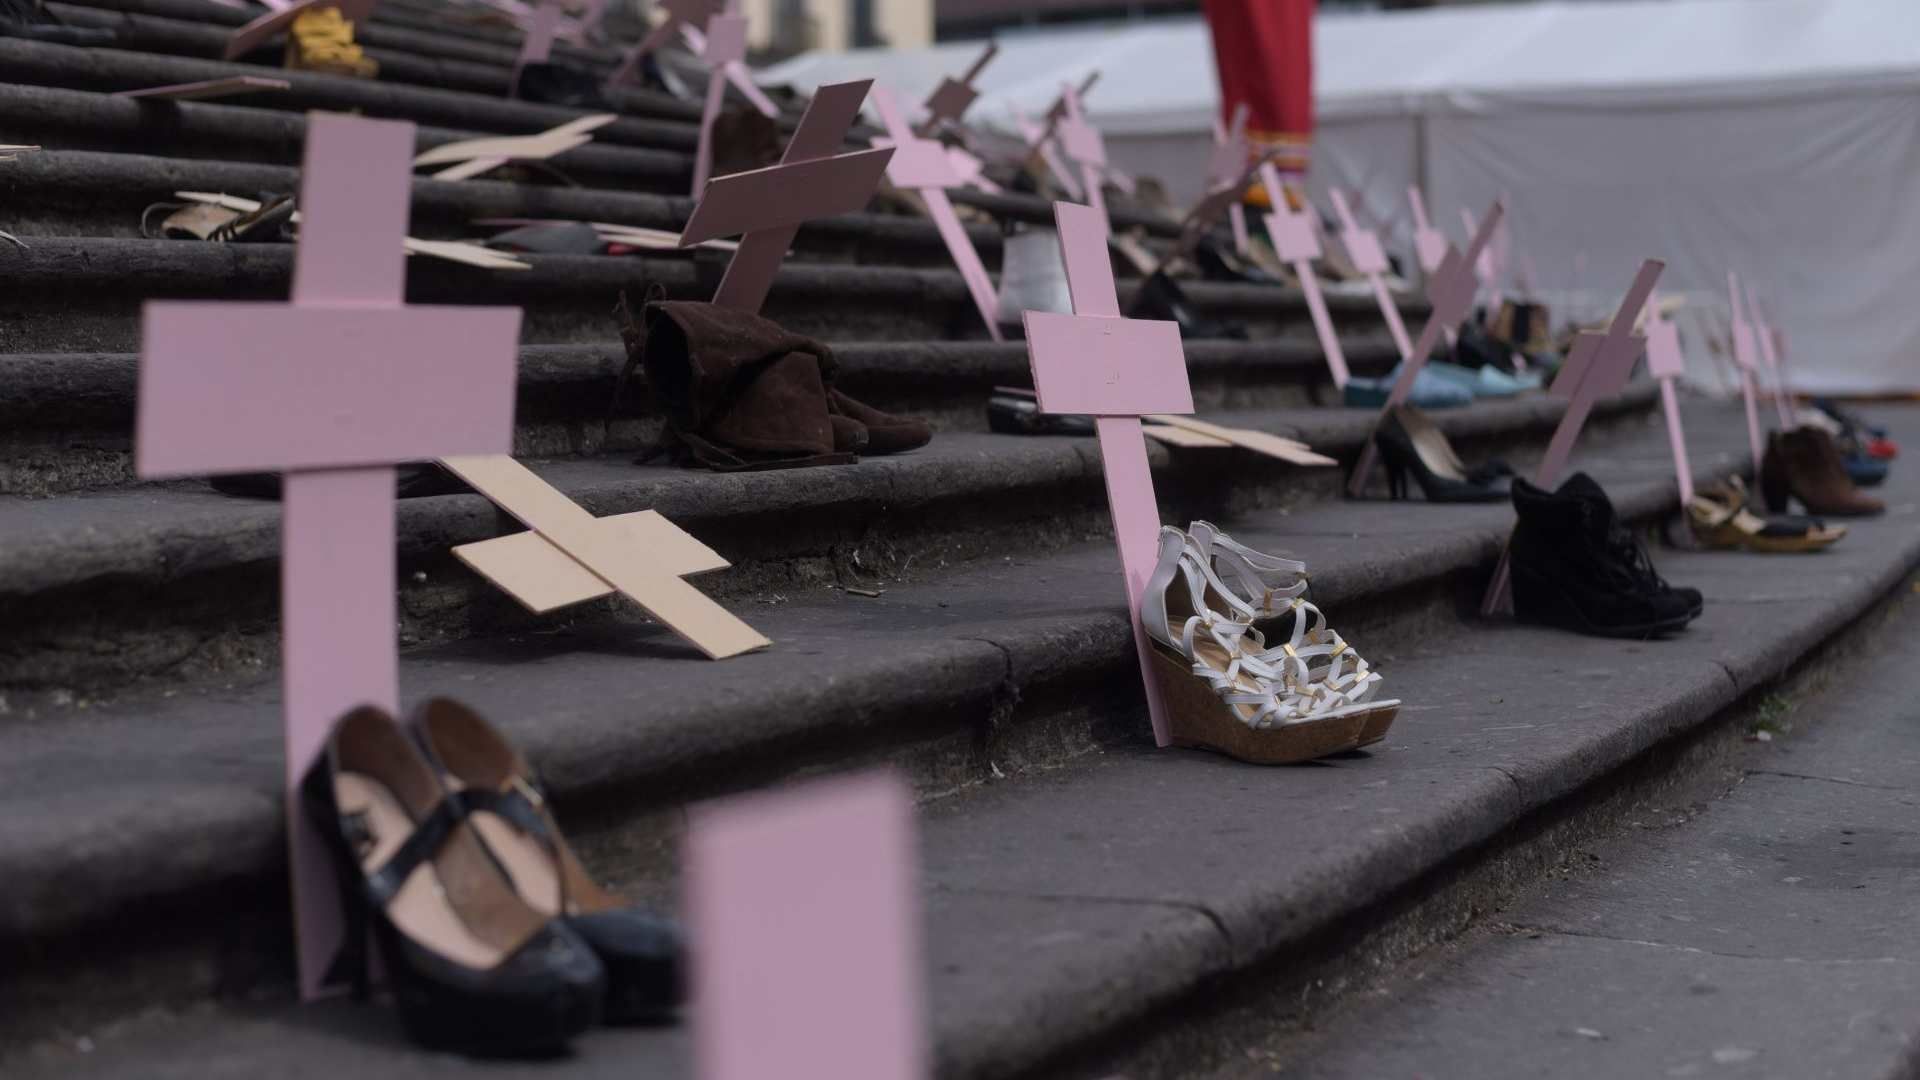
pixel 679 13
pixel 331 389
pixel 1040 140
pixel 1116 369
pixel 769 205
pixel 537 46
pixel 1747 362
pixel 1363 247
pixel 951 99
pixel 726 42
pixel 1666 363
pixel 735 72
pixel 1598 366
pixel 923 165
pixel 246 38
pixel 1429 243
pixel 803 907
pixel 1487 267
pixel 1450 289
pixel 207 89
pixel 1297 241
pixel 1084 147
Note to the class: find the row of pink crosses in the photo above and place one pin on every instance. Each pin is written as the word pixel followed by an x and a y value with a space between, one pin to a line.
pixel 336 387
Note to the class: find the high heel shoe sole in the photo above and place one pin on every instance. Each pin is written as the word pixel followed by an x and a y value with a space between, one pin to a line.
pixel 1197 718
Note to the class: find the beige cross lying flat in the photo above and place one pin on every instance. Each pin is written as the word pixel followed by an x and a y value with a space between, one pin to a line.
pixel 571 556
pixel 1190 432
pixel 471 157
pixel 451 250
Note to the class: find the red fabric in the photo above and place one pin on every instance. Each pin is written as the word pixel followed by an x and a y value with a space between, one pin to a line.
pixel 1264 49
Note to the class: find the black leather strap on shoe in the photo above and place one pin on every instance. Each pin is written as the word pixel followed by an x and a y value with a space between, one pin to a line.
pixel 423 844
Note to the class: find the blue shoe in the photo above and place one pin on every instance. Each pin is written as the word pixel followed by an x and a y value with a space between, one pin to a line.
pixel 1429 392
pixel 1865 471
pixel 1487 382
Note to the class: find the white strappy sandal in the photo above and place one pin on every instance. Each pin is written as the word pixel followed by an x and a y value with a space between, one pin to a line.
pixel 1270 592
pixel 1218 692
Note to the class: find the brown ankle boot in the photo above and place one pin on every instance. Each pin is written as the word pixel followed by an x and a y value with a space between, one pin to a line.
pixel 1805 463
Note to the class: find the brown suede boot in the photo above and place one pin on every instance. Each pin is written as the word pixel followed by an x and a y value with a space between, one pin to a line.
pixel 1805 463
pixel 886 433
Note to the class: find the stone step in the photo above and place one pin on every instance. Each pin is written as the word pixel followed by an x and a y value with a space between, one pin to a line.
pixel 1066 906
pixel 64 100
pixel 66 421
pixel 84 295
pixel 164 580
pixel 83 193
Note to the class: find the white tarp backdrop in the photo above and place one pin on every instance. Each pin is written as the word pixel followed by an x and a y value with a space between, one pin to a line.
pixel 1780 138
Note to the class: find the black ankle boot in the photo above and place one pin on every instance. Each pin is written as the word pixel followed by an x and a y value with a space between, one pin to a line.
pixel 1160 297
pixel 1575 566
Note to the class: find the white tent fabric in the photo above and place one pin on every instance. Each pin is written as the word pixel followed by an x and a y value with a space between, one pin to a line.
pixel 1778 138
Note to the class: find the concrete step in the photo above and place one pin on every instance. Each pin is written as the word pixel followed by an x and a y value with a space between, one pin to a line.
pixel 81 193
pixel 66 421
pixel 1754 921
pixel 1066 907
pixel 159 581
pixel 84 295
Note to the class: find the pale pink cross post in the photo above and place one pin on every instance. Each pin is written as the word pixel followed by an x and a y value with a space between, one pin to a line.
pixel 689 19
pixel 951 99
pixel 332 390
pixel 1296 239
pixel 1227 163
pixel 769 205
pixel 803 909
pixel 923 166
pixel 537 46
pixel 1747 361
pixel 735 71
pixel 1116 370
pixel 1763 331
pixel 1039 139
pixel 1083 146
pixel 1666 363
pixel 1429 243
pixel 1363 249
pixel 1450 291
pixel 1597 366
pixel 726 42
pixel 1491 266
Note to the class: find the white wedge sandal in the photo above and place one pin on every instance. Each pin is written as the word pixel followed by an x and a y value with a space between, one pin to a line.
pixel 1270 592
pixel 1218 694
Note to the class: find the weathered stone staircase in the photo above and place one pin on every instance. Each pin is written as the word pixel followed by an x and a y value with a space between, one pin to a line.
pixel 954 612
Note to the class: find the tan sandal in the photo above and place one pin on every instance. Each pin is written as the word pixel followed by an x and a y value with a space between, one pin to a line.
pixel 1720 520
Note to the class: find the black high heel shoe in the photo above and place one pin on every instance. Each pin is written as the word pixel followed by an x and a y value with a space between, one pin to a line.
pixel 474 969
pixel 642 951
pixel 1411 444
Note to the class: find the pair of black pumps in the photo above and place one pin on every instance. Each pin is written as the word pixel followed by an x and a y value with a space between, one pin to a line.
pixel 494 939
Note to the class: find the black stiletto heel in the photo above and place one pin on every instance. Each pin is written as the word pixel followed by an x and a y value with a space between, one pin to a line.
pixel 1409 443
pixel 473 968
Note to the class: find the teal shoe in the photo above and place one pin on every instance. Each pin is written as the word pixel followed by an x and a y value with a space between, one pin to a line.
pixel 1487 382
pixel 1429 391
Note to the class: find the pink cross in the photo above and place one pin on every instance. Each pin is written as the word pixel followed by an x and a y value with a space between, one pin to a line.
pixel 1429 243
pixel 924 166
pixel 1763 331
pixel 803 908
pixel 1118 370
pixel 537 46
pixel 1229 160
pixel 726 43
pixel 1489 266
pixel 1597 366
pixel 679 13
pixel 244 40
pixel 1223 197
pixel 1296 239
pixel 1363 249
pixel 1666 364
pixel 1746 358
pixel 951 99
pixel 1450 291
pixel 769 205
pixel 332 390
pixel 1083 146
pixel 1039 139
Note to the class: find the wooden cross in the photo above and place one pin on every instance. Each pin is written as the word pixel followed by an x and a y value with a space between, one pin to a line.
pixel 537 46
pixel 726 43
pixel 1364 251
pixel 472 157
pixel 1429 243
pixel 1666 364
pixel 1084 147
pixel 1296 239
pixel 1040 137
pixel 1228 161
pixel 1763 331
pixel 1491 266
pixel 951 99
pixel 332 389
pixel 1117 370
pixel 1450 290
pixel 1597 366
pixel 1746 360
pixel 769 205
pixel 923 165
pixel 691 19
pixel 803 909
